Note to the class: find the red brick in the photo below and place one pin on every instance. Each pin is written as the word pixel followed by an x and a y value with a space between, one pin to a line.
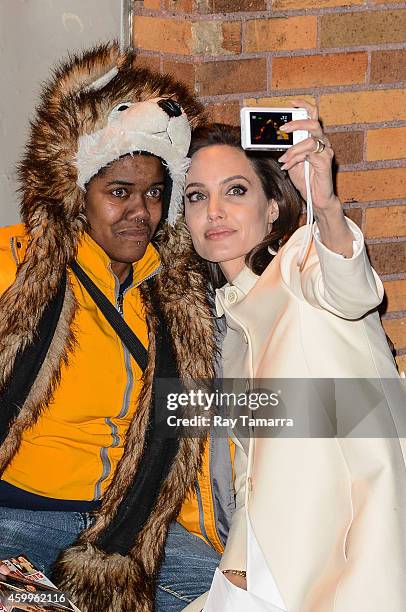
pixel 355 214
pixel 369 185
pixel 148 61
pixel 363 106
pixel 206 7
pixel 388 66
pixel 235 6
pixel 184 6
pixel 385 221
pixel 183 71
pixel 211 38
pixel 396 330
pixel 227 112
pixel 224 77
pixel 395 295
pixel 281 34
pixel 388 258
pixel 319 70
pixel 162 35
pixel 284 5
pixel 348 146
pixel 386 143
pixel 401 363
pixel 187 37
pixel 152 4
pixel 363 28
pixel 285 101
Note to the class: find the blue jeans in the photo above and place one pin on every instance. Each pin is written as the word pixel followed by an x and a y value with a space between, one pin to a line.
pixel 186 572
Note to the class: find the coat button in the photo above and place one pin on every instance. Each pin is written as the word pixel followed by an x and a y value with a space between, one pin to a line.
pixel 232 296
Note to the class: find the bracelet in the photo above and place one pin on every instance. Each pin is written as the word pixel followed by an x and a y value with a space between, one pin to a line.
pixel 235 572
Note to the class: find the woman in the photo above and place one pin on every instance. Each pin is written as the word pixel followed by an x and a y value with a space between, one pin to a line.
pixel 323 515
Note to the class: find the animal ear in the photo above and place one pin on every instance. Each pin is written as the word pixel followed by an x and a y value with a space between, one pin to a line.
pixel 92 70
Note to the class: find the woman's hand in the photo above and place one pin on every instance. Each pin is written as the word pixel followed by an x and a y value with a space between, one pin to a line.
pixel 4 569
pixel 236 580
pixel 321 176
pixel 328 212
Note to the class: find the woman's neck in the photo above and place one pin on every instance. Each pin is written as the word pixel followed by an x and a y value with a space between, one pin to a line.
pixel 231 269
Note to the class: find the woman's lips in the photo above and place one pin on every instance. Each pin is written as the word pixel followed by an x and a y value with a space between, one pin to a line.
pixel 218 233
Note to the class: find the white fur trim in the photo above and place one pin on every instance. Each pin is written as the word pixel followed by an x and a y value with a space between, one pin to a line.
pixel 141 127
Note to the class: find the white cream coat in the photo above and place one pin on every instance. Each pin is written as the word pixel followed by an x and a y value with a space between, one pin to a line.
pixel 329 514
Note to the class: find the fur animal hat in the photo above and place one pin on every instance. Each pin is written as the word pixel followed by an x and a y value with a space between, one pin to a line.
pixel 157 126
pixel 91 97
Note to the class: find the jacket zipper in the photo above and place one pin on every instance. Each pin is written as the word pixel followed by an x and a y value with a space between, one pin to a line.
pixel 104 451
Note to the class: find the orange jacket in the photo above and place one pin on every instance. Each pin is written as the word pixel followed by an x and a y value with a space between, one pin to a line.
pixel 73 449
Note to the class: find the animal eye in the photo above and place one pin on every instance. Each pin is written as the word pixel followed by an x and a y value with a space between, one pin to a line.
pixel 154 192
pixel 122 106
pixel 195 196
pixel 120 192
pixel 237 190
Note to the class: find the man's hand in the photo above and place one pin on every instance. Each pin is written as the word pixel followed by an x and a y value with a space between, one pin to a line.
pixel 4 569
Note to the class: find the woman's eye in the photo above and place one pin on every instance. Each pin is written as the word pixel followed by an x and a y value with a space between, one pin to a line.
pixel 154 192
pixel 195 196
pixel 237 190
pixel 120 192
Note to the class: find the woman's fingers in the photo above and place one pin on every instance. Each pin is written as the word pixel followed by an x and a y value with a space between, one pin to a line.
pixel 307 149
pixel 4 569
pixel 311 108
pixel 309 125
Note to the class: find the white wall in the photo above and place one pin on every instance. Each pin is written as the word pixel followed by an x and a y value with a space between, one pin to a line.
pixel 34 35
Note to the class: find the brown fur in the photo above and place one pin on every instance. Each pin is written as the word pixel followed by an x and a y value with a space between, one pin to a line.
pixel 47 379
pixel 53 211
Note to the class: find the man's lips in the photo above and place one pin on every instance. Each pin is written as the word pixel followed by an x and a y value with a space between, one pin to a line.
pixel 134 233
pixel 218 233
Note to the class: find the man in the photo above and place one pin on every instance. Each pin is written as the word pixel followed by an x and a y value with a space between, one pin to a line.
pixel 105 163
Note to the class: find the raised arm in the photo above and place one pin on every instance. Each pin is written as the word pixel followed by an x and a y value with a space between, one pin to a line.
pixel 337 275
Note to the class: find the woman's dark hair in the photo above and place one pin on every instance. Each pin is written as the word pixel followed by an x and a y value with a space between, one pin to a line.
pixel 276 185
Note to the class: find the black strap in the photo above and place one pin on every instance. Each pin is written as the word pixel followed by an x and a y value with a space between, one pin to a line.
pixel 29 361
pixel 157 458
pixel 134 345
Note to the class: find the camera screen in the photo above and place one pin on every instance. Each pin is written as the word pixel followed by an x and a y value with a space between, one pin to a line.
pixel 265 129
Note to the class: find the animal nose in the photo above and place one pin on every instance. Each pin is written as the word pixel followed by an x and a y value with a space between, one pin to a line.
pixel 171 108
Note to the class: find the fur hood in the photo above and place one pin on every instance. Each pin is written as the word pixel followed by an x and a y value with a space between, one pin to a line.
pixel 53 212
pixel 52 205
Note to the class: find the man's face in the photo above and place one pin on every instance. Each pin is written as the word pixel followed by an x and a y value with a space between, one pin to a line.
pixel 124 206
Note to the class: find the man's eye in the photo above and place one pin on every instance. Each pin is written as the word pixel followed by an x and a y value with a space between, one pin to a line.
pixel 154 192
pixel 120 192
pixel 237 190
pixel 195 196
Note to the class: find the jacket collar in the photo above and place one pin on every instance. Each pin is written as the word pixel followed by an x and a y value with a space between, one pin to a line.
pixel 96 264
pixel 232 293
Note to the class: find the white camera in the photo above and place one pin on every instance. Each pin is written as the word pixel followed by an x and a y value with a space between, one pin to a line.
pixel 260 128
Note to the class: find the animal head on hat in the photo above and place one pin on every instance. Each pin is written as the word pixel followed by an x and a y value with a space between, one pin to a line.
pixel 79 128
pixel 158 126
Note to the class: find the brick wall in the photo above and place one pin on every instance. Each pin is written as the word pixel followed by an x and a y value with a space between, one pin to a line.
pixel 347 55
